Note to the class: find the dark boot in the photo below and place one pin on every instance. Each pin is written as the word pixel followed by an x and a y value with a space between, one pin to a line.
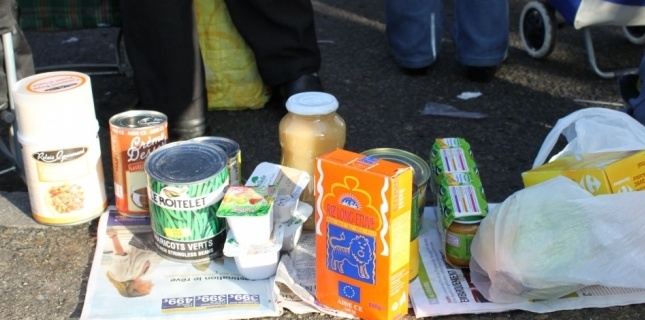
pixel 305 83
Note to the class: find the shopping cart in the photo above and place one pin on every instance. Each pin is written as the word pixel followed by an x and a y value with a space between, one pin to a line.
pixel 538 25
pixel 7 113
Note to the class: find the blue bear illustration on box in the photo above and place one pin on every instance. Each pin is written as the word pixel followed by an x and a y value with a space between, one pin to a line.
pixel 351 254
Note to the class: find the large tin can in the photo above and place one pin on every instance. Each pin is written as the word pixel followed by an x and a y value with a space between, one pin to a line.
pixel 233 153
pixel 420 167
pixel 133 137
pixel 421 175
pixel 186 183
pixel 415 226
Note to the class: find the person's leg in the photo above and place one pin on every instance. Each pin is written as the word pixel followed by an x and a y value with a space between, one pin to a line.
pixel 282 36
pixel 480 30
pixel 162 44
pixel 632 89
pixel 414 29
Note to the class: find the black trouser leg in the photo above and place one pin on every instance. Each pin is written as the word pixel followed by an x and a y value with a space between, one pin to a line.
pixel 281 34
pixel 162 44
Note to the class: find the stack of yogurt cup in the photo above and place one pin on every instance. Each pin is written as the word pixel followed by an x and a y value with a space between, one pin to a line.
pixel 264 218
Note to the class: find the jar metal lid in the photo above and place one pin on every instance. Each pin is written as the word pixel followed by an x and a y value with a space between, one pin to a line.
pixel 228 145
pixel 469 220
pixel 312 103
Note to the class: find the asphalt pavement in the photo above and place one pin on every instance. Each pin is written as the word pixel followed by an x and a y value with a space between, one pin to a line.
pixel 45 268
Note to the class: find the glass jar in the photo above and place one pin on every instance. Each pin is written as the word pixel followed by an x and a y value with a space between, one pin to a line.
pixel 311 128
pixel 459 236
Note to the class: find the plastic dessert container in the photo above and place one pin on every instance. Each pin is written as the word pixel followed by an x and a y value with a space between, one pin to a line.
pixel 248 213
pixel 293 226
pixel 289 183
pixel 259 261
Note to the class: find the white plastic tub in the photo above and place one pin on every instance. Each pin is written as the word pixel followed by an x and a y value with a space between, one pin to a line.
pixel 258 261
pixel 248 213
pixel 293 226
pixel 289 183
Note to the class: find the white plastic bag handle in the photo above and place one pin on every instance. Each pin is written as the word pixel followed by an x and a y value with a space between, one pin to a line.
pixel 593 130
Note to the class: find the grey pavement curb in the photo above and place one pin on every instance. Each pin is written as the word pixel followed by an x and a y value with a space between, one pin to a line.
pixel 15 211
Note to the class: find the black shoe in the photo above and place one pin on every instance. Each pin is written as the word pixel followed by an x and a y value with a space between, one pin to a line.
pixel 415 72
pixel 186 130
pixel 481 74
pixel 305 83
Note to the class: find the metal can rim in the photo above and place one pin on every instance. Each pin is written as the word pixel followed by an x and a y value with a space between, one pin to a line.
pixel 466 220
pixel 116 120
pixel 230 146
pixel 420 168
pixel 218 163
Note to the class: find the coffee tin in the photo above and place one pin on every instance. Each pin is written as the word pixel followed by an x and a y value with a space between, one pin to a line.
pixel 233 153
pixel 133 137
pixel 186 183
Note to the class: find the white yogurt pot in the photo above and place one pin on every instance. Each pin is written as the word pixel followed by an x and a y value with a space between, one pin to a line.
pixel 289 183
pixel 259 261
pixel 293 226
pixel 248 213
pixel 284 208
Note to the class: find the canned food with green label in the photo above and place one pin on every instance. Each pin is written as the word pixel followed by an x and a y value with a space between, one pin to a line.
pixel 186 183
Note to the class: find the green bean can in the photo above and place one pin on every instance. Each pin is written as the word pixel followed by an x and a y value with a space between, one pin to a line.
pixel 186 183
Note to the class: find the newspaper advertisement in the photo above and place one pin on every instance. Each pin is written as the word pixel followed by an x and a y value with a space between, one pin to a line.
pixel 444 290
pixel 143 285
pixel 296 278
pixel 164 289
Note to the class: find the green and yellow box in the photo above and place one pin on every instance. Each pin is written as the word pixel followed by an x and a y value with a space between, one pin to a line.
pixel 598 173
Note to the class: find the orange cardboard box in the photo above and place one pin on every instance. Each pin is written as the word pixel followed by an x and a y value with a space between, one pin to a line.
pixel 362 211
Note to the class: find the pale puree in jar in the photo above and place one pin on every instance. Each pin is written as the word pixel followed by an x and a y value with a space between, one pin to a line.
pixel 459 236
pixel 310 129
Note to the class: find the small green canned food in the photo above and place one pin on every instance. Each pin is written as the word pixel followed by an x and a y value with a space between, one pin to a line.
pixel 186 183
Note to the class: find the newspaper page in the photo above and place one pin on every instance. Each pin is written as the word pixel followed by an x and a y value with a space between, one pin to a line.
pixel 444 290
pixel 296 278
pixel 148 286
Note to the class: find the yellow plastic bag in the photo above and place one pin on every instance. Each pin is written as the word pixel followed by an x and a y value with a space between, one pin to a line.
pixel 232 79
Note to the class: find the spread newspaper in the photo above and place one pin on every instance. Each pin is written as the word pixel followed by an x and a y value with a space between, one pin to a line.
pixel 143 285
pixel 441 289
pixel 147 286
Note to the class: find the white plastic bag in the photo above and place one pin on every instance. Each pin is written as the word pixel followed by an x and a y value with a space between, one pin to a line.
pixel 593 130
pixel 554 238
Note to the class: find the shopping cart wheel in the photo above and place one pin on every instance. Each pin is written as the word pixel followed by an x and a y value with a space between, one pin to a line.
pixel 635 34
pixel 537 29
